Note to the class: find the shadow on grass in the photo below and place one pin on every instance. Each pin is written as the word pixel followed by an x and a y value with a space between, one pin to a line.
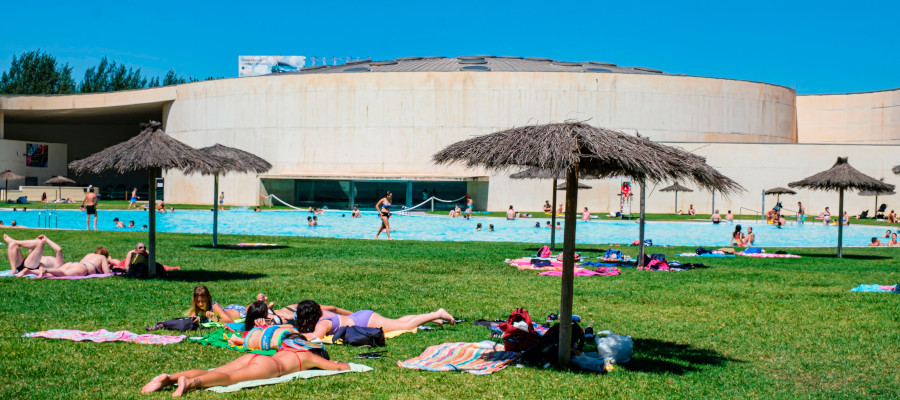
pixel 657 356
pixel 210 276
pixel 849 256
pixel 236 247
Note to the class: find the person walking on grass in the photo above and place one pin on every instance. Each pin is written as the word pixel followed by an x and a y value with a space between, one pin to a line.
pixel 90 205
pixel 132 202
pixel 384 212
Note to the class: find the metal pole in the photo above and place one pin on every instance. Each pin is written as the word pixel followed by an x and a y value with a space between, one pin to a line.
pixel 676 201
pixel 714 201
pixel 553 220
pixel 216 210
pixel 641 236
pixel 840 222
pixel 762 211
pixel 151 225
pixel 568 272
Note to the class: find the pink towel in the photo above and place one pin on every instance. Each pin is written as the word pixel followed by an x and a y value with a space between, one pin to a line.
pixel 602 271
pixel 767 255
pixel 104 335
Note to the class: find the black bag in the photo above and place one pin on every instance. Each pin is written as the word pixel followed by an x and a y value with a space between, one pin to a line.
pixel 359 336
pixel 702 251
pixel 138 268
pixel 546 350
pixel 177 324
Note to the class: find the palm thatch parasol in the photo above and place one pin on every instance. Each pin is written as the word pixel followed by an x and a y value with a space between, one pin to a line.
pixel 876 193
pixel 8 176
pixel 896 169
pixel 232 160
pixel 537 173
pixel 574 148
pixel 58 181
pixel 675 188
pixel 777 191
pixel 562 186
pixel 151 150
pixel 841 176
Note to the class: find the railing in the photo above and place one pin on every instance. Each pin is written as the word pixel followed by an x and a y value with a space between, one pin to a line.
pixel 47 215
pixel 741 212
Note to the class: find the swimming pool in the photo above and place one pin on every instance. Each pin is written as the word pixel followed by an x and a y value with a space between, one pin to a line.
pixel 441 228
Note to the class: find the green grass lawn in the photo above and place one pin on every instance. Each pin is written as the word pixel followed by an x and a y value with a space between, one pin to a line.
pixel 745 328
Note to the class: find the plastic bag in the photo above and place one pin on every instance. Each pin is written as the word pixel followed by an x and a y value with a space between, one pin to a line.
pixel 614 346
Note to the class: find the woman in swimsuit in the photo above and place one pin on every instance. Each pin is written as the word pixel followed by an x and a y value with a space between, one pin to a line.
pixel 737 238
pixel 313 322
pixel 826 216
pixel 203 307
pixel 90 264
pixel 384 210
pixel 750 238
pixel 35 258
pixel 586 215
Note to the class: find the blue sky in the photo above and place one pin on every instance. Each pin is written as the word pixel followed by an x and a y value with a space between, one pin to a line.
pixel 813 47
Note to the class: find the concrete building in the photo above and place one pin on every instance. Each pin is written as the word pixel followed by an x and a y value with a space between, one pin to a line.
pixel 342 135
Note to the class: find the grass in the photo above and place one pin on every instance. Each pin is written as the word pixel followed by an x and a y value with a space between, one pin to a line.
pixel 745 328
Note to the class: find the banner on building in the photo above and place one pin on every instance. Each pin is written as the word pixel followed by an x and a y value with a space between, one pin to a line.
pixel 36 155
pixel 264 65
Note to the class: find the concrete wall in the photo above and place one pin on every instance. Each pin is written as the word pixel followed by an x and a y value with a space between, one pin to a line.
pixel 391 123
pixel 12 157
pixel 872 117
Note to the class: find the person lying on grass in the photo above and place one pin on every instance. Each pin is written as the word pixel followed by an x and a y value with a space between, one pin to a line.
pixel 259 332
pixel 245 368
pixel 37 264
pixel 204 308
pixel 313 322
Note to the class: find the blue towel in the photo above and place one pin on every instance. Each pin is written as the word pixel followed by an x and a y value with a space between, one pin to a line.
pixel 871 289
pixel 600 264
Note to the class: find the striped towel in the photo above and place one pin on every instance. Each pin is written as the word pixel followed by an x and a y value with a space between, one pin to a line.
pixel 104 335
pixel 481 358
pixel 767 255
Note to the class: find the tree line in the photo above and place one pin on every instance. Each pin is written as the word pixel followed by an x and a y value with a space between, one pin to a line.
pixel 38 72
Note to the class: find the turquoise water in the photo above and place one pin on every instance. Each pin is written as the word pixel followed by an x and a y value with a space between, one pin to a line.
pixel 340 225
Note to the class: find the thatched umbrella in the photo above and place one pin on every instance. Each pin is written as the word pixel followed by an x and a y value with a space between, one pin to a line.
pixel 841 177
pixel 778 191
pixel 562 186
pixel 151 150
pixel 8 176
pixel 573 148
pixel 58 181
pixel 876 193
pixel 537 173
pixel 233 160
pixel 675 188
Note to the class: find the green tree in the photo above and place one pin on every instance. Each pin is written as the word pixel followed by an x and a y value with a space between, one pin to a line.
pixel 110 77
pixel 37 72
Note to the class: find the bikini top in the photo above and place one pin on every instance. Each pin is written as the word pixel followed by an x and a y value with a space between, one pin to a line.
pixel 386 205
pixel 335 323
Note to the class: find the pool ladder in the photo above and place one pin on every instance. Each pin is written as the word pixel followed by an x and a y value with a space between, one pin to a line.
pixel 47 215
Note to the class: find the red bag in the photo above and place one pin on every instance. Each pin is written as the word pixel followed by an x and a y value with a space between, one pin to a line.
pixel 514 338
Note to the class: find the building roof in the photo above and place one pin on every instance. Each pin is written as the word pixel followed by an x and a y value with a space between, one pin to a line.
pixel 476 63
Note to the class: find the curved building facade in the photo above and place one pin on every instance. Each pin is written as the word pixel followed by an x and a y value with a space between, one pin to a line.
pixel 342 135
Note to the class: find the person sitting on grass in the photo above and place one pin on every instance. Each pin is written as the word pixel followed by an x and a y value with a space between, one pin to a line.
pixel 203 308
pixel 892 217
pixel 875 242
pixel 511 213
pixel 547 207
pixel 691 210
pixel 313 322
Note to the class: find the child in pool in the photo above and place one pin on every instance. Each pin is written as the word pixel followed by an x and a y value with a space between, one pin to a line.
pixel 204 308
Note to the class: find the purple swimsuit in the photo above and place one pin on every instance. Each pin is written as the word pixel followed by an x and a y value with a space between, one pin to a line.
pixel 359 318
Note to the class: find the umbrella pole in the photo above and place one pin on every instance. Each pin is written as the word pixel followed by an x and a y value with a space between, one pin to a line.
pixel 568 272
pixel 216 210
pixel 553 219
pixel 676 200
pixel 151 225
pixel 640 262
pixel 58 191
pixel 840 222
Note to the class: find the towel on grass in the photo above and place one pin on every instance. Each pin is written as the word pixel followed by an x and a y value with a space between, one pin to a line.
pixel 601 264
pixel 387 335
pixel 875 289
pixel 104 335
pixel 602 271
pixel 767 255
pixel 219 338
pixel 10 274
pixel 480 358
pixel 310 373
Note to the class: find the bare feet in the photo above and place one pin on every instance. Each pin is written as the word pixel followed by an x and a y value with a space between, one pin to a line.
pixel 6 238
pixel 184 386
pixel 157 383
pixel 40 272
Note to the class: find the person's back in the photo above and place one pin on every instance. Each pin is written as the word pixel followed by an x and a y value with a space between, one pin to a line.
pixel 511 213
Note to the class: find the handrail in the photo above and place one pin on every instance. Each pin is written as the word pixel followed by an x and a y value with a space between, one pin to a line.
pixel 741 212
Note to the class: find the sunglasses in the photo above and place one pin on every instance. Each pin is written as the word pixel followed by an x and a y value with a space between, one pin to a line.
pixel 140 247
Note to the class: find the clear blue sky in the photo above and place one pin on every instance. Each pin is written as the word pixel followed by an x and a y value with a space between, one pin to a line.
pixel 811 46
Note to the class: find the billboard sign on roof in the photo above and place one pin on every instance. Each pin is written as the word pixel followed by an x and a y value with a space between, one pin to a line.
pixel 264 65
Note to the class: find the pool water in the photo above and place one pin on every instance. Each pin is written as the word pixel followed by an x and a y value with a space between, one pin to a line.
pixel 441 228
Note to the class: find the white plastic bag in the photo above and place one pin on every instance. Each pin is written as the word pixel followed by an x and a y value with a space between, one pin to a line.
pixel 614 346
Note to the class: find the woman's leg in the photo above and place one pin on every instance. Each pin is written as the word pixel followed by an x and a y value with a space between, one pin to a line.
pixel 33 260
pixel 261 367
pixel 385 222
pixel 68 269
pixel 407 322
pixel 165 380
pixel 13 253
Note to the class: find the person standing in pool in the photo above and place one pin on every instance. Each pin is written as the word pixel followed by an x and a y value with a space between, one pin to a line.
pixel 132 202
pixel 90 205
pixel 222 201
pixel 469 203
pixel 384 212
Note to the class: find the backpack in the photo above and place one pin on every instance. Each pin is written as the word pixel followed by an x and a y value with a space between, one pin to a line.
pixel 701 251
pixel 359 336
pixel 544 252
pixel 546 350
pixel 177 324
pixel 515 338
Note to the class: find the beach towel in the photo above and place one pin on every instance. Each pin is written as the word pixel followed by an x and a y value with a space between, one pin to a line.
pixel 602 271
pixel 10 274
pixel 481 358
pixel 104 335
pixel 875 289
pixel 767 255
pixel 219 338
pixel 310 373
pixel 526 262
pixel 601 264
pixel 387 335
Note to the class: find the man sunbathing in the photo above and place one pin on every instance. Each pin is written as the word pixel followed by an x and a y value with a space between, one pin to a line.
pixel 35 258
